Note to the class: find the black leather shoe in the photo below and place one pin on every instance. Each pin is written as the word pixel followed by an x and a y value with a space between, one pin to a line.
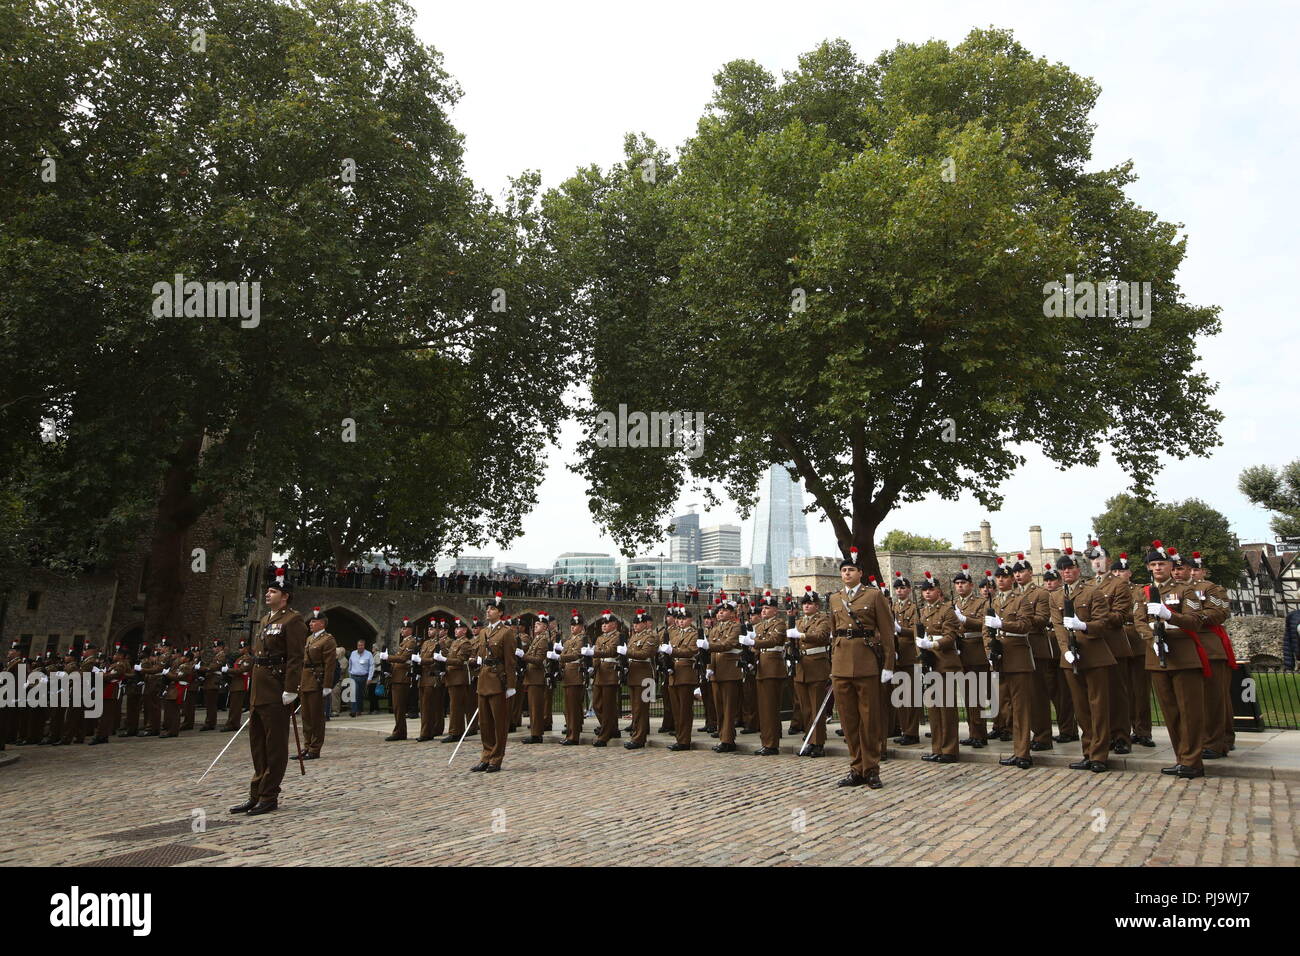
pixel 1212 755
pixel 393 737
pixel 491 768
pixel 1121 747
pixel 1171 771
pixel 676 747
pixel 873 779
pixel 1189 773
pixel 449 739
pixel 709 730
pixel 1008 761
pixel 1144 741
pixel 1037 747
pixel 749 730
pixel 945 758
pixel 420 740
pixel 840 732
pixel 766 752
pixel 906 739
pixel 974 742
pixel 617 733
pixel 1066 738
pixel 632 745
pixel 160 736
pixel 243 807
pixel 531 739
pixel 1097 766
pixel 265 806
pixel 600 743
pixel 1083 764
pixel 852 780
pixel 311 756
pixel 478 767
pixel 1024 763
pixel 794 731
pixel 1004 736
pixel 713 733
pixel 816 750
pixel 724 748
pixel 929 757
pixel 566 742
pixel 663 730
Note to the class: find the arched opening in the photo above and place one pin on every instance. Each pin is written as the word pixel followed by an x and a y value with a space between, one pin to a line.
pixel 130 640
pixel 348 627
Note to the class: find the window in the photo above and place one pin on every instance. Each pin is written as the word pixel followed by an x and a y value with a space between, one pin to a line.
pixel 52 643
pixel 1265 605
pixel 24 644
pixel 33 600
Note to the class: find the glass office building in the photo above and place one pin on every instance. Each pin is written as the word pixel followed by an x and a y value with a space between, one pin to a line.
pixel 711 576
pixel 780 532
pixel 643 572
pixel 584 566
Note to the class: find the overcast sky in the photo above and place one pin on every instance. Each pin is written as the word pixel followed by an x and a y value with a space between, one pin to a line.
pixel 1200 96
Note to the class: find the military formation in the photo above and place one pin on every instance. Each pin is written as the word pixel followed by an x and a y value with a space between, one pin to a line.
pixel 1086 651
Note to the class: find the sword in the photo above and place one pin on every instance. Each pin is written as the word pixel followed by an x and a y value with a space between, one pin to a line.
pixel 462 736
pixel 226 747
pixel 297 742
pixel 803 746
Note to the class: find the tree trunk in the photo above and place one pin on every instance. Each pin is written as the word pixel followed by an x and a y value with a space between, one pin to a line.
pixel 177 510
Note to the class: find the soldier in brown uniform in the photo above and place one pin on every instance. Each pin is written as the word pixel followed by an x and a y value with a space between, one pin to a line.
pixel 516 704
pixel 191 699
pixel 74 717
pixel 457 660
pixel 1067 721
pixel 573 679
pixel 605 685
pixel 1212 598
pixel 134 694
pixel 239 672
pixel 971 609
pixel 399 678
pixel 1046 679
pixel 277 674
pixel 707 693
pixel 34 718
pixel 433 689
pixel 812 675
pixel 535 679
pixel 1086 668
pixel 725 672
pixel 116 674
pixel 1179 678
pixel 942 639
pixel 494 649
pixel 768 642
pixel 862 658
pixel 180 680
pixel 683 682
pixel 748 614
pixel 8 711
pixel 672 618
pixel 213 659
pixel 905 617
pixel 1139 680
pixel 1009 620
pixel 318 663
pixel 1121 704
pixel 642 645
pixel 151 668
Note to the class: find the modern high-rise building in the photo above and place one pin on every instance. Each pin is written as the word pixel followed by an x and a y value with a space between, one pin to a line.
pixel 584 566
pixel 684 542
pixel 720 544
pixel 780 532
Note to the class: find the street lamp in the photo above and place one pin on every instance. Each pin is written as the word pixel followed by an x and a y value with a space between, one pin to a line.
pixel 659 578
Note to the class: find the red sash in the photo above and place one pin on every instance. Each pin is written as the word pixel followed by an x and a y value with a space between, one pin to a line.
pixel 1227 645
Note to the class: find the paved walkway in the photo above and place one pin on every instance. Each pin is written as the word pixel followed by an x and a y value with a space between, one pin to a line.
pixel 371 803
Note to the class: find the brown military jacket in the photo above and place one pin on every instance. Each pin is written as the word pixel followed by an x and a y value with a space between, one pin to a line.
pixel 1117 628
pixel 854 642
pixel 151 668
pixel 682 639
pixel 459 652
pixel 769 646
pixel 1182 630
pixel 535 658
pixel 1095 608
pixel 974 656
pixel 605 659
pixel 642 645
pixel 241 670
pixel 428 666
pixel 283 634
pixel 115 678
pixel 724 650
pixel 1038 610
pixel 319 661
pixel 815 648
pixel 1211 602
pixel 496 645
pixel 1137 638
pixel 571 660
pixel 1015 608
pixel 905 615
pixel 399 661
pixel 941 625
pixel 179 677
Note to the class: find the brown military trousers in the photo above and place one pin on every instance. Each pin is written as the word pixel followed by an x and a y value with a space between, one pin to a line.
pixel 727 698
pixel 210 698
pixel 460 698
pixel 1182 701
pixel 858 700
pixel 607 709
pixel 769 710
pixel 808 697
pixel 1016 700
pixel 682 697
pixel 749 702
pixel 1090 689
pixel 401 694
pixel 537 694
pixel 235 709
pixel 152 711
pixel 1051 690
pixel 313 721
pixel 974 722
pixel 710 706
pixel 188 708
pixel 1218 706
pixel 494 727
pixel 433 701
pixel 134 702
pixel 172 717
pixel 1140 695
pixel 107 723
pixel 575 696
pixel 1121 706
pixel 268 741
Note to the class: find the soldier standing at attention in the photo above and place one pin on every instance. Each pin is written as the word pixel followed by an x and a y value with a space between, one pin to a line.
pixel 642 643
pixel 457 660
pixel 214 658
pixel 683 679
pixel 400 679
pixel 768 641
pixel 319 661
pixel 1220 737
pixel 862 658
pixel 433 691
pixel 134 694
pixel 1095 612
pixel 179 677
pixel 604 657
pixel 1117 589
pixel 1139 682
pixel 495 653
pixel 971 609
pixel 673 615
pixel 240 672
pixel 905 616
pixel 575 688
pixel 942 637
pixel 115 677
pixel 535 658
pixel 707 693
pixel 724 672
pixel 277 674
pixel 1009 618
pixel 812 675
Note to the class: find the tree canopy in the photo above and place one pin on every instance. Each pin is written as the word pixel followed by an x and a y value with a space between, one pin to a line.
pixel 1130 524
pixel 899 540
pixel 1276 489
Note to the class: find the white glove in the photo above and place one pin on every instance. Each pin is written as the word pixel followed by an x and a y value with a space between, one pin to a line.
pixel 415 658
pixel 993 621
pixel 287 698
pixel 621 649
pixel 1155 646
pixel 327 691
pixel 699 694
pixel 45 678
pixel 1074 624
pixel 166 670
pixel 925 643
pixel 224 669
pixel 793 633
pixel 886 676
pixel 519 652
pixel 898 628
pixel 510 692
pixel 708 674
pixel 96 670
pixel 557 647
pixel 588 651
pixel 1160 611
pixel 383 655
pixel 665 648
pixel 702 644
pixel 552 656
pixel 137 667
pixel 183 683
pixel 747 640
pixel 1069 657
pixel 960 616
pixel 440 658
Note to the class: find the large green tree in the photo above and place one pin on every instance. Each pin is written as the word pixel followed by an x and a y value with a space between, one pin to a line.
pixel 846 270
pixel 1129 524
pixel 899 540
pixel 302 145
pixel 1276 489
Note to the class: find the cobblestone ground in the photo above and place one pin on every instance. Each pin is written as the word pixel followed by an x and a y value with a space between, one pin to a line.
pixel 368 802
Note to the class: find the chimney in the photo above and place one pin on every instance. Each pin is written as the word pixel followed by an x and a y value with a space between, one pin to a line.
pixel 1067 540
pixel 1035 541
pixel 986 536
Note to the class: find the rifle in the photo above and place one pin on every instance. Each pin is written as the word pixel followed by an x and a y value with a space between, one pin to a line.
pixel 1072 642
pixel 995 635
pixel 792 653
pixel 664 662
pixel 701 659
pixel 553 667
pixel 748 663
pixel 1158 626
pixel 622 666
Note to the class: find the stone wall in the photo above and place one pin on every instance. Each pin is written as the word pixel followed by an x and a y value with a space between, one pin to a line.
pixel 68 606
pixel 1257 639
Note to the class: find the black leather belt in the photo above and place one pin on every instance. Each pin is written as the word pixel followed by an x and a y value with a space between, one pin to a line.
pixel 270 661
pixel 857 632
